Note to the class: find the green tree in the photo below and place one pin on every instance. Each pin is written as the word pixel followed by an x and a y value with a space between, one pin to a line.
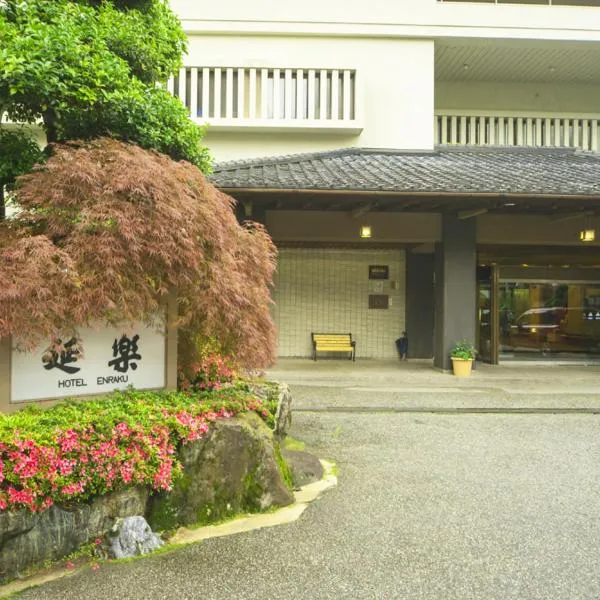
pixel 91 68
pixel 18 153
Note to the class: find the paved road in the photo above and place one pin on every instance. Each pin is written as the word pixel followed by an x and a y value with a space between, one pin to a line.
pixel 428 506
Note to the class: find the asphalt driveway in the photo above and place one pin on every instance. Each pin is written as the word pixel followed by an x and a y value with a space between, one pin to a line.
pixel 428 506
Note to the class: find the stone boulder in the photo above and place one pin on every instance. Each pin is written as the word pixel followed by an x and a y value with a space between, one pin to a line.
pixel 305 467
pixel 237 467
pixel 132 536
pixel 29 538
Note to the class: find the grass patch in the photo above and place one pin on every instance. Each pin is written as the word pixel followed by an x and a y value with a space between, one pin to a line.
pixel 292 444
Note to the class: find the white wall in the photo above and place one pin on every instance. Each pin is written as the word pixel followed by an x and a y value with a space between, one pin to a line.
pixel 396 78
pixel 506 96
pixel 406 18
pixel 308 10
pixel 327 291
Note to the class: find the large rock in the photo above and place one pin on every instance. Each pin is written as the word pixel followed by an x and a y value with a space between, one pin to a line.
pixel 236 468
pixel 132 536
pixel 29 538
pixel 305 467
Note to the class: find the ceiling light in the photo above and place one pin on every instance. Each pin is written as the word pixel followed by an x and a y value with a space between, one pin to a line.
pixel 365 231
pixel 510 204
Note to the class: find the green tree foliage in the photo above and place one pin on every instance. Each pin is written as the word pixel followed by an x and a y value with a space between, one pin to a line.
pixel 18 153
pixel 91 68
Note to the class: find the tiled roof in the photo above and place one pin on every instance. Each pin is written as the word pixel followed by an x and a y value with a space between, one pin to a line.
pixel 460 170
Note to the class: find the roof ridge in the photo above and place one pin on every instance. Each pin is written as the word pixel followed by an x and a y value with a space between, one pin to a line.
pixel 319 155
pixel 266 161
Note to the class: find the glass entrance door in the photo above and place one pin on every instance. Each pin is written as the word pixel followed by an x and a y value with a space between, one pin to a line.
pixel 549 319
pixel 487 314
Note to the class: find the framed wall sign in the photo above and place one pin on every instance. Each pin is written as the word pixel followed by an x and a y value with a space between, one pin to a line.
pixel 379 301
pixel 379 272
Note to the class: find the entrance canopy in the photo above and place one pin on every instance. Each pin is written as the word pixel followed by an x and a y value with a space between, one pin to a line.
pixel 462 176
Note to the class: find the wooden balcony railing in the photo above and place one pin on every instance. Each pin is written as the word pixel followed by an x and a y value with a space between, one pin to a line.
pixel 266 98
pixel 508 129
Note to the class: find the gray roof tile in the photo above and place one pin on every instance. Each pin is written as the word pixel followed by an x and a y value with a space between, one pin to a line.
pixel 457 170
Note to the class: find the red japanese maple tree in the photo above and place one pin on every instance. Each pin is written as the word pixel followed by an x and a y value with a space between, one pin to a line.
pixel 107 230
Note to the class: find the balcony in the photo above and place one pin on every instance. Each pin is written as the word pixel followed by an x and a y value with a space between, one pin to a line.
pixel 471 128
pixel 270 99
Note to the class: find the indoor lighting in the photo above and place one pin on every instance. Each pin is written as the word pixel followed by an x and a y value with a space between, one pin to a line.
pixel 587 235
pixel 365 231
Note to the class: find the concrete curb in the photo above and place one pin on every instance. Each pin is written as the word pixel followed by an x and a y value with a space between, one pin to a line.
pixel 303 497
pixel 459 410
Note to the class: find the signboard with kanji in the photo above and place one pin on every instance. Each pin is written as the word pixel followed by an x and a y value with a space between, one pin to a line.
pixel 94 362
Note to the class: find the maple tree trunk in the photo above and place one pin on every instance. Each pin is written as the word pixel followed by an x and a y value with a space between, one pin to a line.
pixel 49 117
pixel 2 204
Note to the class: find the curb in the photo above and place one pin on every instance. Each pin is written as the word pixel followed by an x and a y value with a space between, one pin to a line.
pixel 452 410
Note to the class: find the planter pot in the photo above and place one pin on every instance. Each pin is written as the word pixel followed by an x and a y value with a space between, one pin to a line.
pixel 462 366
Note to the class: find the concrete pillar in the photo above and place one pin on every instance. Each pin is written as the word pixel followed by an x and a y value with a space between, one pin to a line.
pixel 455 287
pixel 420 306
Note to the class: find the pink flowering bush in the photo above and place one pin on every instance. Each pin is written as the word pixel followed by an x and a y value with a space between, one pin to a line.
pixel 77 450
pixel 211 372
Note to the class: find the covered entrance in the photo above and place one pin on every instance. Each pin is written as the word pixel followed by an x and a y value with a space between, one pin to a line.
pixel 515 212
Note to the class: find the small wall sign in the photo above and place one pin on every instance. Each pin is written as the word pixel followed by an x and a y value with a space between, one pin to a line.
pixel 379 301
pixel 379 272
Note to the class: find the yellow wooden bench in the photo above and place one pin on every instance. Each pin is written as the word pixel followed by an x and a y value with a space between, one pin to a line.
pixel 333 342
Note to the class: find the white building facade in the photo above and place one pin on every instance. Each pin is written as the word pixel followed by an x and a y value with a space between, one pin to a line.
pixel 516 80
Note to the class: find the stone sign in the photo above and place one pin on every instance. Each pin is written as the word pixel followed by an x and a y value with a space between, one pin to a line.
pixel 94 362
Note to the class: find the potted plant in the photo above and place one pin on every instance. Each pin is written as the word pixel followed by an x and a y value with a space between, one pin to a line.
pixel 462 354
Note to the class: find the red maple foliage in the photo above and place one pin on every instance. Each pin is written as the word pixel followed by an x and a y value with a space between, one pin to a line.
pixel 108 230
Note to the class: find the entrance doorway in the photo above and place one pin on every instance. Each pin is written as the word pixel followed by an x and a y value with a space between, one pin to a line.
pixel 552 319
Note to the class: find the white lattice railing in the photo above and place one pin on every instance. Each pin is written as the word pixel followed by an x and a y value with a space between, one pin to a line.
pixel 261 97
pixel 543 130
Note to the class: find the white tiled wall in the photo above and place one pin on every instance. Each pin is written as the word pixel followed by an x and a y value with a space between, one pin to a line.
pixel 327 291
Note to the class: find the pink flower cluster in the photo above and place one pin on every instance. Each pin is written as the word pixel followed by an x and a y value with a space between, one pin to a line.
pixel 78 463
pixel 210 373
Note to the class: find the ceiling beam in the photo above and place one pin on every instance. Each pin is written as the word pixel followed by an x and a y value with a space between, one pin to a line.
pixel 571 216
pixel 359 211
pixel 469 214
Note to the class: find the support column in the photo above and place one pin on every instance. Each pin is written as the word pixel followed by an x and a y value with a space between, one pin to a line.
pixel 420 306
pixel 455 287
